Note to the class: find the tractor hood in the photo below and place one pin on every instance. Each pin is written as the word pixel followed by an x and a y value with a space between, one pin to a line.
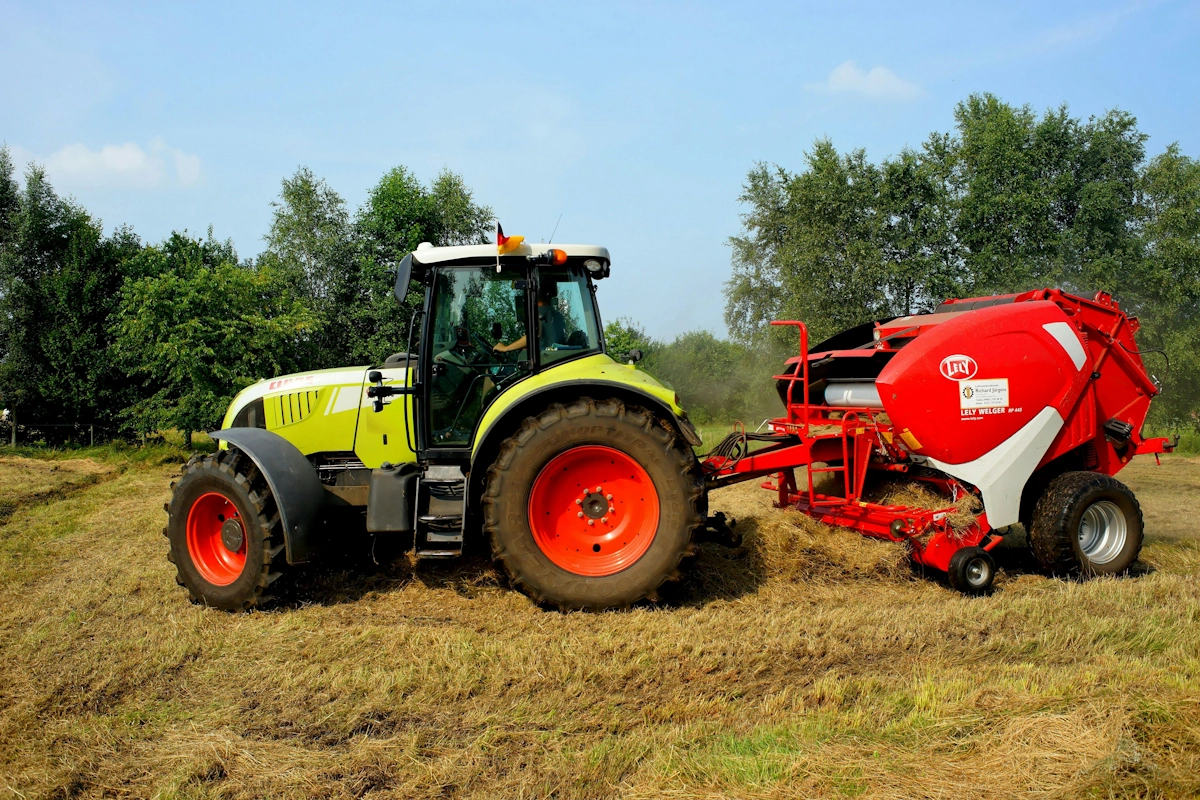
pixel 315 411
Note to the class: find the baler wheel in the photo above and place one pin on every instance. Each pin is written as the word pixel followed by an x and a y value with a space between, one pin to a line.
pixel 593 505
pixel 972 570
pixel 1086 523
pixel 224 532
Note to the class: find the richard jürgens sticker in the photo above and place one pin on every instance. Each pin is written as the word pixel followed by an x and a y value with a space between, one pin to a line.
pixel 982 394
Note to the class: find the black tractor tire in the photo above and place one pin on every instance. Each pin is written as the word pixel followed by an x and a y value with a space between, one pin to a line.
pixel 652 444
pixel 1086 523
pixel 972 570
pixel 245 574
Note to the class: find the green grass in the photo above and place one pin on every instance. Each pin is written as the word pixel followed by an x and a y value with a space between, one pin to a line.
pixel 1189 441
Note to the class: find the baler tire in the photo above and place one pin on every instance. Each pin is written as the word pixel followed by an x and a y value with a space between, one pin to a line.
pixel 1055 529
pixel 656 451
pixel 972 570
pixel 232 476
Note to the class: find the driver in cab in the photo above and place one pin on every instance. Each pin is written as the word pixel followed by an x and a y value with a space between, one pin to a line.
pixel 552 326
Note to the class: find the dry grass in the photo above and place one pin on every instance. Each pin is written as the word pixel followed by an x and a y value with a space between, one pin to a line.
pixel 810 663
pixel 915 494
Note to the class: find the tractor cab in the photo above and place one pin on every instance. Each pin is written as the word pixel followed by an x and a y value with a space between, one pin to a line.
pixel 488 321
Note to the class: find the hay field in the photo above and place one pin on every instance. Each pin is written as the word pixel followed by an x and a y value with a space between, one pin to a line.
pixel 812 663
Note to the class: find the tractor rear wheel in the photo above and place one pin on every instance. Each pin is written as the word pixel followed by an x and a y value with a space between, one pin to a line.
pixel 1086 523
pixel 224 532
pixel 593 505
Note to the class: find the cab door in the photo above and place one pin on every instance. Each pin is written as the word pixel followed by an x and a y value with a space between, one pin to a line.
pixel 387 435
pixel 471 310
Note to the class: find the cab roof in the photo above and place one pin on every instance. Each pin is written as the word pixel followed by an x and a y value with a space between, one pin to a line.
pixel 428 254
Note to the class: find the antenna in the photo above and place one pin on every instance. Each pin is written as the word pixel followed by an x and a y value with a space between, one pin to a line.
pixel 555 229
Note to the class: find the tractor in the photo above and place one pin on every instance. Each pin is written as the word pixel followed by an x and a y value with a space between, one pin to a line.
pixel 503 415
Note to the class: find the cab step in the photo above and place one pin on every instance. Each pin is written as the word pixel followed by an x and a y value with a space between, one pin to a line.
pixel 441 509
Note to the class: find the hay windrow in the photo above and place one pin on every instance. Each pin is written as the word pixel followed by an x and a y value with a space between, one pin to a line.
pixel 894 492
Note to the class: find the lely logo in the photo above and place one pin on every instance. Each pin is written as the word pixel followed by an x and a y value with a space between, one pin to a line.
pixel 959 368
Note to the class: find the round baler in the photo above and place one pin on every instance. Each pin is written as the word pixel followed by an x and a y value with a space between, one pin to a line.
pixel 1030 402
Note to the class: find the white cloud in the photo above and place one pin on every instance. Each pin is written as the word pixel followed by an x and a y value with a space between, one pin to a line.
pixel 879 83
pixel 126 166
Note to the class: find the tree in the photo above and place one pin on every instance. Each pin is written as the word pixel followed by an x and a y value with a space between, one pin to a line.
pixel 622 335
pixel 1009 201
pixel 311 247
pixel 1166 290
pixel 399 214
pixel 59 279
pixel 10 198
pixel 198 327
pixel 1046 201
pixel 813 248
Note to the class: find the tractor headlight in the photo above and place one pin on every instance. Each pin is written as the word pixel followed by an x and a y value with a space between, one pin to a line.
pixel 596 268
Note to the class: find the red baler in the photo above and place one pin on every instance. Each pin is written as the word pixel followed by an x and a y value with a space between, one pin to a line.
pixel 1030 401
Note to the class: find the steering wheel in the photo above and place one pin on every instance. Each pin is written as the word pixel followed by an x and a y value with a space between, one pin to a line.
pixel 476 342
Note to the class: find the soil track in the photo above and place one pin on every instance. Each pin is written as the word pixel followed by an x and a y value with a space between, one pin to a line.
pixel 810 663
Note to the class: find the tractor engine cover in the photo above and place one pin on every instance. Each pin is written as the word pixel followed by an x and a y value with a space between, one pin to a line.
pixel 962 388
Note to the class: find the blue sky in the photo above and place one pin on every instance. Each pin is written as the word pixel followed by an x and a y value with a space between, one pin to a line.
pixel 637 122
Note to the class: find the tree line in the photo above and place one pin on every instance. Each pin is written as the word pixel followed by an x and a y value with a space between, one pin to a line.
pixel 141 337
pixel 138 337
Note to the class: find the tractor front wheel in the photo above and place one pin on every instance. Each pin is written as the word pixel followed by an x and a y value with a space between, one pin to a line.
pixel 223 528
pixel 593 505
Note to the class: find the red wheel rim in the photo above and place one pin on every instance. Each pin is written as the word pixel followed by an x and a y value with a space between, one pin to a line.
pixel 593 510
pixel 216 562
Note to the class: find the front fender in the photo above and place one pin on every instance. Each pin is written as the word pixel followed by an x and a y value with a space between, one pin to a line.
pixel 292 480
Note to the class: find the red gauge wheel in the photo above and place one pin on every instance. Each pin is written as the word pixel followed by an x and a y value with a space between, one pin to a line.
pixel 593 510
pixel 216 539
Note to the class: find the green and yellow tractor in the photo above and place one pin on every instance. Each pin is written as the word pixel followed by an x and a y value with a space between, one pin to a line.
pixel 503 418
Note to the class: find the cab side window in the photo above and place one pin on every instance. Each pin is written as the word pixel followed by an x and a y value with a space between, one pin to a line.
pixel 566 316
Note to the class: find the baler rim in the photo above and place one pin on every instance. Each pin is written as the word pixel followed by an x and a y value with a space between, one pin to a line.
pixel 1103 532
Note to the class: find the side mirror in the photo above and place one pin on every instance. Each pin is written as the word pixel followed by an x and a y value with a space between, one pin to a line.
pixel 497 331
pixel 403 277
pixel 635 355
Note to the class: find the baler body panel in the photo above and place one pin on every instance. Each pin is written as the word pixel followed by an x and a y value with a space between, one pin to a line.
pixel 967 385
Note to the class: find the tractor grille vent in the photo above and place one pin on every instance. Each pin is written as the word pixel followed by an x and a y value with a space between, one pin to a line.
pixel 293 407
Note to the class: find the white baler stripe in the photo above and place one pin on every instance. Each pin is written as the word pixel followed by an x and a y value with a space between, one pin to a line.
pixel 1001 473
pixel 1064 333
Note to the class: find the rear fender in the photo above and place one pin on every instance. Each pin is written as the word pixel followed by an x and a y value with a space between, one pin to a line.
pixel 292 480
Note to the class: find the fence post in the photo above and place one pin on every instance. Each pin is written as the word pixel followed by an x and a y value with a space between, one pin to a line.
pixel 91 435
pixel 12 417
